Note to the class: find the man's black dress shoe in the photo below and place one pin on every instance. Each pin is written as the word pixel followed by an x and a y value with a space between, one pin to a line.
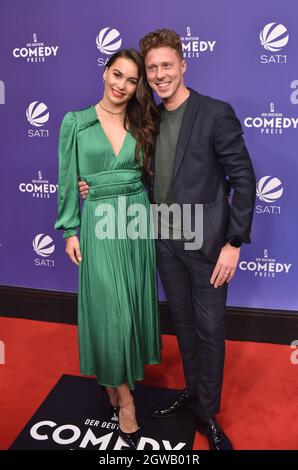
pixel 131 439
pixel 180 403
pixel 218 440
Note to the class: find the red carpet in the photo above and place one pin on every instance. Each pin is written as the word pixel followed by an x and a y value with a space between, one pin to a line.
pixel 259 406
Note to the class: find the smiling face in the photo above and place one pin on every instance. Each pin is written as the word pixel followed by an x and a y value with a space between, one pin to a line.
pixel 165 70
pixel 121 80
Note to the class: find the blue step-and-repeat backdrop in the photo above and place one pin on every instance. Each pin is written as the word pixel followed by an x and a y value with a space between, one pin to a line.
pixel 52 56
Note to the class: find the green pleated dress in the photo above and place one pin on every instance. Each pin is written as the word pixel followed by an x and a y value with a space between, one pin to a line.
pixel 118 320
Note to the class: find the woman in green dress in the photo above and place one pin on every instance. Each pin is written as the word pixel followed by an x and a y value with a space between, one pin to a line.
pixel 109 146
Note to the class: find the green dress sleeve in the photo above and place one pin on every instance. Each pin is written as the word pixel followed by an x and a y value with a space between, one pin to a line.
pixel 68 218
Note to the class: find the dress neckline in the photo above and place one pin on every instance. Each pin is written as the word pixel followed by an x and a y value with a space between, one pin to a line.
pixel 106 137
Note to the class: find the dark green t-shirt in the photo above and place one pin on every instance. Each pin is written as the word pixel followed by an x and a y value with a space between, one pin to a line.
pixel 170 125
pixel 165 152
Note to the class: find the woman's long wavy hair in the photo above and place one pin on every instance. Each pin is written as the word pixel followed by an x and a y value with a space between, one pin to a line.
pixel 141 115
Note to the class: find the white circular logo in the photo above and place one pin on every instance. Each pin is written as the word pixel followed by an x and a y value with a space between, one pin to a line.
pixel 43 245
pixel 269 189
pixel 37 114
pixel 273 37
pixel 108 41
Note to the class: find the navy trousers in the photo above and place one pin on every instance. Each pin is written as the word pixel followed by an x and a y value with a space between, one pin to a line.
pixel 198 311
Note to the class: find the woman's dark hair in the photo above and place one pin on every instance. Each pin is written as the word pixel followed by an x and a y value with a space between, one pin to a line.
pixel 141 114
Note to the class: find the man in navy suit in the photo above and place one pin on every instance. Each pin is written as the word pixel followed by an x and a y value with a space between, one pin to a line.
pixel 199 148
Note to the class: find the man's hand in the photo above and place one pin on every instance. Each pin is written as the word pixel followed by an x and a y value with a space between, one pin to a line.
pixel 226 265
pixel 84 189
pixel 73 249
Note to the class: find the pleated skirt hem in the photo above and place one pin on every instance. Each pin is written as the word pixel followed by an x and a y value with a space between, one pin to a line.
pixel 104 384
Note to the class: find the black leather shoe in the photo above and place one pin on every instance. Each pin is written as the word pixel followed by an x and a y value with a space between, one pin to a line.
pixel 218 440
pixel 180 403
pixel 131 439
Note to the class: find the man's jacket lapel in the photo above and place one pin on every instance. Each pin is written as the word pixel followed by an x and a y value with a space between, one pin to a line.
pixel 188 121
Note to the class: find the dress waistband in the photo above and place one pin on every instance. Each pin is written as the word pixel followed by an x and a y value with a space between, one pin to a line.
pixel 113 183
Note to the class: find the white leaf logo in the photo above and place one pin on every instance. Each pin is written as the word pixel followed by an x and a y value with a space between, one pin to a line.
pixel 269 189
pixel 108 41
pixel 37 114
pixel 43 245
pixel 274 37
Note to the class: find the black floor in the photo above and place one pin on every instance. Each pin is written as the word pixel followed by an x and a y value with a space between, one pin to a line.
pixel 76 415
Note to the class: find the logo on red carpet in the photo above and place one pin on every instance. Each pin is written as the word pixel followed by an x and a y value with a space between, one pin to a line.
pixel 99 434
pixel 77 415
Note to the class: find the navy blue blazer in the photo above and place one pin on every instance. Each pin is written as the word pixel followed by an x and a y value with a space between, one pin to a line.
pixel 209 151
